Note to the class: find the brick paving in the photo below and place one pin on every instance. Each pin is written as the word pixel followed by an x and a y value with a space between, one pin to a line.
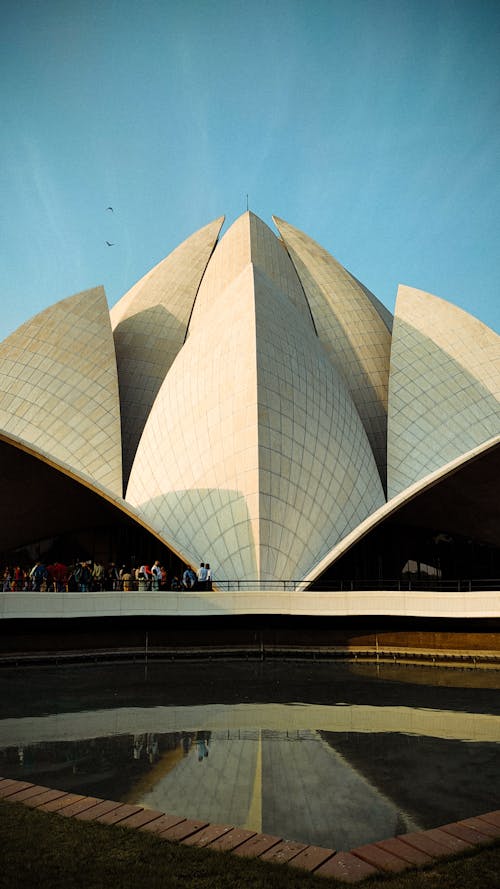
pixel 380 858
pixel 208 835
pixel 183 830
pixel 141 818
pixel 158 825
pixel 467 833
pixel 347 867
pixel 426 844
pixel 404 851
pixel 257 845
pixel 391 855
pixel 493 817
pixel 284 851
pixel 41 799
pixel 482 826
pixel 94 812
pixel 230 841
pixel 79 805
pixel 311 858
pixel 447 839
pixel 55 805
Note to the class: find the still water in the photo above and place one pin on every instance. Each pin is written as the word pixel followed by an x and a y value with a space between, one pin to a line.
pixel 329 754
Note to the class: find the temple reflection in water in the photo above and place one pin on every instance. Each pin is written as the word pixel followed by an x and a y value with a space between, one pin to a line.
pixel 367 773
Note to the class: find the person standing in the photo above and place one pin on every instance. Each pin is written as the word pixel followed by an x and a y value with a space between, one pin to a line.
pixel 156 575
pixel 208 582
pixel 38 575
pixel 146 571
pixel 112 578
pixel 202 577
pixel 141 578
pixel 98 573
pixel 85 577
pixel 126 580
pixel 7 580
pixel 19 576
pixel 188 578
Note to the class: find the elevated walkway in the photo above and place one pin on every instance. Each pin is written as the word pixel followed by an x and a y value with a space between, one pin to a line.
pixel 459 627
pixel 460 602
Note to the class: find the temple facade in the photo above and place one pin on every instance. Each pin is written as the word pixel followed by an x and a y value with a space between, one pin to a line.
pixel 249 402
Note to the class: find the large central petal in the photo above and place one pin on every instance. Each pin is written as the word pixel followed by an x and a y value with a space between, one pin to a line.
pixel 254 455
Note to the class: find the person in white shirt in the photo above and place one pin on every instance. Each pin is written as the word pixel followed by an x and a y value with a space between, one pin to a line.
pixel 202 576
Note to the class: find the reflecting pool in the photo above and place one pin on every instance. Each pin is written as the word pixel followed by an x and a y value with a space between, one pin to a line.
pixel 328 754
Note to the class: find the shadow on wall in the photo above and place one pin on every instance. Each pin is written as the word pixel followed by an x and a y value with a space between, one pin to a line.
pixel 146 345
pixel 208 525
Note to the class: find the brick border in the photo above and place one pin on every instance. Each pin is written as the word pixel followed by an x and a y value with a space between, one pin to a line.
pixel 385 856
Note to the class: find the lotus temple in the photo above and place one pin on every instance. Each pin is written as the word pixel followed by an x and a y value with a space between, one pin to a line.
pixel 250 403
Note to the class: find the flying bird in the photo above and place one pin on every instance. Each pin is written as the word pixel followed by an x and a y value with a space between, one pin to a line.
pixel 110 208
pixel 110 244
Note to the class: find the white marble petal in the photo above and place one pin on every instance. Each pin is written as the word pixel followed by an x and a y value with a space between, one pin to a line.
pixel 254 455
pixel 444 393
pixel 150 324
pixel 354 327
pixel 59 387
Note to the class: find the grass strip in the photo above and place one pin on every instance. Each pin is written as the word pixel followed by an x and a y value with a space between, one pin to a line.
pixel 44 851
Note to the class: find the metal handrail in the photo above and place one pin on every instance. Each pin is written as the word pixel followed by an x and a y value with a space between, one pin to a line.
pixel 401 585
pixel 398 585
pixel 335 586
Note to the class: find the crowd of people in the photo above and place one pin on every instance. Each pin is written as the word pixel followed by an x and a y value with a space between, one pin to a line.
pixel 89 576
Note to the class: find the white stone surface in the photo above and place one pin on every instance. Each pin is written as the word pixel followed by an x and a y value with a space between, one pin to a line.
pixel 150 324
pixel 444 386
pixel 59 387
pixel 248 240
pixel 317 475
pixel 400 603
pixel 195 476
pixel 354 327
pixel 254 455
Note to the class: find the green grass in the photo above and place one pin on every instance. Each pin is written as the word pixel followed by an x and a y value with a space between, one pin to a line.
pixel 45 851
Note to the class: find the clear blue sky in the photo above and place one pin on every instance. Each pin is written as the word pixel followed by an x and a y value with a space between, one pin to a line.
pixel 372 125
